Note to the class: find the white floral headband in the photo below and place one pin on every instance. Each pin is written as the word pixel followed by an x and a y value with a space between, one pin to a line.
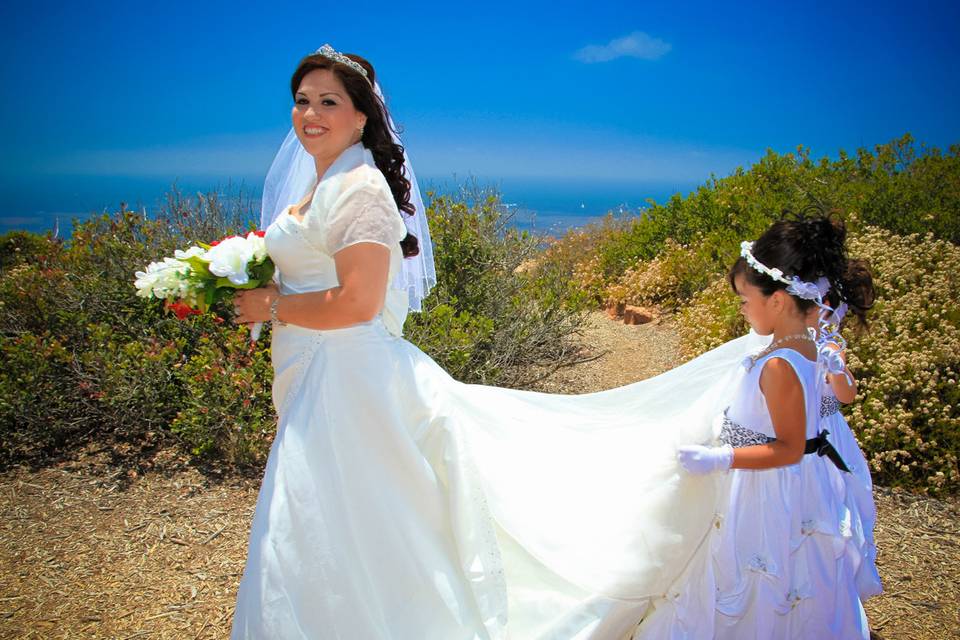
pixel 829 318
pixel 795 286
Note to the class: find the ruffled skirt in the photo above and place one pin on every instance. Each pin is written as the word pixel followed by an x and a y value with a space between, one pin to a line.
pixel 792 556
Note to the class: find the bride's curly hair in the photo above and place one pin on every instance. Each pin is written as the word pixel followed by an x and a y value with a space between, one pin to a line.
pixel 809 244
pixel 377 137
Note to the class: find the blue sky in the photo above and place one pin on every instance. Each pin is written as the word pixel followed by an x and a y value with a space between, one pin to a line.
pixel 641 92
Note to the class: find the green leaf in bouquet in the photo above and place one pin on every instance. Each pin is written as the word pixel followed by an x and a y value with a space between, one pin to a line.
pixel 225 283
pixel 209 296
pixel 199 266
pixel 263 272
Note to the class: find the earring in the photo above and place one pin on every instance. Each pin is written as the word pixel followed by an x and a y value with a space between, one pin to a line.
pixel 361 128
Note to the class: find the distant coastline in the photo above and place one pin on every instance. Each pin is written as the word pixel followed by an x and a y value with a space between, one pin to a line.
pixel 544 205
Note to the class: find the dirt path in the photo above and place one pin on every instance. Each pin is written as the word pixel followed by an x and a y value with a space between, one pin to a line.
pixel 630 353
pixel 91 551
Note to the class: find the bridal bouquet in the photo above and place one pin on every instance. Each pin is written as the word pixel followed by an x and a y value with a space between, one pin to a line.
pixel 195 279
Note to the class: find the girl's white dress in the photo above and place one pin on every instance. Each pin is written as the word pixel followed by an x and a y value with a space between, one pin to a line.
pixel 792 553
pixel 398 503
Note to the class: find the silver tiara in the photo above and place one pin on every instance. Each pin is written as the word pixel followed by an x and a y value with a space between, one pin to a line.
pixel 329 52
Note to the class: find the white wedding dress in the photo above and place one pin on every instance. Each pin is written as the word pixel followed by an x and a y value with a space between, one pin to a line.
pixel 398 503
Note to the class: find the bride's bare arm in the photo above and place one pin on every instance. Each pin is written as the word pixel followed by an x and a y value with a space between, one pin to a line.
pixel 362 271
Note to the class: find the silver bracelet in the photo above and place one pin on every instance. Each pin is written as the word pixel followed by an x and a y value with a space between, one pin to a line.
pixel 273 312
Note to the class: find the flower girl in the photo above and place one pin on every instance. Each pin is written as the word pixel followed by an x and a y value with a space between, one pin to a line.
pixel 792 554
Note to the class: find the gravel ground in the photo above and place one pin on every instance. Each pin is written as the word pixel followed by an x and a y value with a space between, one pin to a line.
pixel 155 549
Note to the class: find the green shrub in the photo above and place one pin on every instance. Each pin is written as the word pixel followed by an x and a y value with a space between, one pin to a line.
pixel 85 358
pixel 227 411
pixel 495 316
pixel 453 338
pixel 23 247
pixel 903 188
pixel 133 382
pixel 41 394
pixel 899 186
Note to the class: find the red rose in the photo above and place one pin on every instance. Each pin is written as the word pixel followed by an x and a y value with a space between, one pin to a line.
pixel 216 242
pixel 182 310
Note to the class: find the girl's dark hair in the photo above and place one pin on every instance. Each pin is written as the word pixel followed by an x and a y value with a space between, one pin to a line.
pixel 810 245
pixel 377 137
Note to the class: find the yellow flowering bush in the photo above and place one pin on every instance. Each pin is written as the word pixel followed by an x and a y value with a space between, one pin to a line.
pixel 710 318
pixel 581 254
pixel 906 416
pixel 668 280
pixel 588 278
pixel 901 204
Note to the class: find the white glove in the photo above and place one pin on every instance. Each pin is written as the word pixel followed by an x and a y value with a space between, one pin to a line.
pixel 699 460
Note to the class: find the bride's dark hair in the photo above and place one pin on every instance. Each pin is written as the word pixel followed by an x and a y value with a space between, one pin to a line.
pixel 377 137
pixel 810 244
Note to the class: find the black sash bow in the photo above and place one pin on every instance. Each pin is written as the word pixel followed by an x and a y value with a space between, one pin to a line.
pixel 822 447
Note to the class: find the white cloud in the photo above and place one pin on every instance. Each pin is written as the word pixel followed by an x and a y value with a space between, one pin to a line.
pixel 636 45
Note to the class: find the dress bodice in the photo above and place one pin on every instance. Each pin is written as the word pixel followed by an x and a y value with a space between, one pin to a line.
pixel 748 417
pixel 352 203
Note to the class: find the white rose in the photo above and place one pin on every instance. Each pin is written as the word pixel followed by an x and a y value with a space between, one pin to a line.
pixel 259 246
pixel 229 259
pixel 162 279
pixel 192 252
pixel 146 280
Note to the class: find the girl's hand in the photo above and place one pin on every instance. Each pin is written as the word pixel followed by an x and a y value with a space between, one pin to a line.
pixel 699 460
pixel 253 305
pixel 844 384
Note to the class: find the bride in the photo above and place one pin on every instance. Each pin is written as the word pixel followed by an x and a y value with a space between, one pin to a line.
pixel 399 503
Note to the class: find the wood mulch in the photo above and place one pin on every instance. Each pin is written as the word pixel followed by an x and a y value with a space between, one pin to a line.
pixel 155 549
pixel 90 552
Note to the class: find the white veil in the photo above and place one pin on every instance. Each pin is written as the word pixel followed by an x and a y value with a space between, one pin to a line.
pixel 293 174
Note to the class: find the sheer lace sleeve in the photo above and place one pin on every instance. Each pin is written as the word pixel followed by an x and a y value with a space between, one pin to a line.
pixel 363 213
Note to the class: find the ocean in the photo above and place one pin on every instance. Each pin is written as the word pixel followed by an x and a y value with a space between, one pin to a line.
pixel 541 205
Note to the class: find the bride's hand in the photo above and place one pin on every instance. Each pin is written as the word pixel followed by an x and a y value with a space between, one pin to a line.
pixel 253 305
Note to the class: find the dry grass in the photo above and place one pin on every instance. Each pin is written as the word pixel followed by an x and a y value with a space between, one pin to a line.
pixel 89 550
pixel 918 544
